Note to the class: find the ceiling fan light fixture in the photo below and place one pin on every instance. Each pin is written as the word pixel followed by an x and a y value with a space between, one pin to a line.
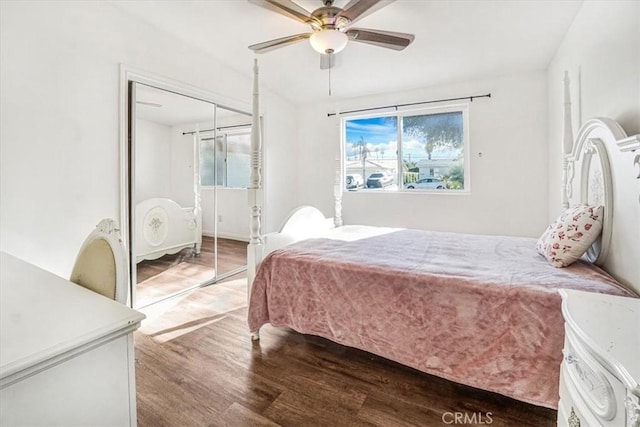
pixel 328 41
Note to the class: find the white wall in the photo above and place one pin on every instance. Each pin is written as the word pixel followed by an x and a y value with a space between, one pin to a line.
pixel 508 182
pixel 233 212
pixel 601 51
pixel 153 160
pixel 182 165
pixel 60 174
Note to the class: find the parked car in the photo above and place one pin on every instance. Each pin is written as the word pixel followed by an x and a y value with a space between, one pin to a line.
pixel 355 181
pixel 427 183
pixel 379 179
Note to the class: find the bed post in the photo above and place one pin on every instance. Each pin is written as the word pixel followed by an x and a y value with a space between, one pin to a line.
pixel 337 194
pixel 197 208
pixel 567 143
pixel 254 249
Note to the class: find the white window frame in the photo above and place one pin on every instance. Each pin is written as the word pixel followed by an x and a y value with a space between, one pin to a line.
pixel 459 107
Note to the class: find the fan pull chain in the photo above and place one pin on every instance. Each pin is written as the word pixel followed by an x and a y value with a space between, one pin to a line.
pixel 330 80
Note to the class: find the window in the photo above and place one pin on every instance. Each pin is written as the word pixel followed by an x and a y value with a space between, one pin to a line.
pixel 407 151
pixel 227 162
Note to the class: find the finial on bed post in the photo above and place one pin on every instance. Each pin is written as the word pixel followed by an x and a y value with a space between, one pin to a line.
pixel 567 141
pixel 254 249
pixel 337 194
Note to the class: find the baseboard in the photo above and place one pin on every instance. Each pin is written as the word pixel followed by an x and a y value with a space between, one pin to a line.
pixel 230 236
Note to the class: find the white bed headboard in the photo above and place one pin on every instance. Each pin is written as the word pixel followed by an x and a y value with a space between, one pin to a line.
pixel 603 168
pixel 590 161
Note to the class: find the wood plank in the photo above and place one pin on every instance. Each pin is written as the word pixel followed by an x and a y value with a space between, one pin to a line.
pixel 309 399
pixel 238 415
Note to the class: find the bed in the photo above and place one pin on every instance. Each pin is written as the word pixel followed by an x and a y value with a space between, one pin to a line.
pixel 479 310
pixel 164 227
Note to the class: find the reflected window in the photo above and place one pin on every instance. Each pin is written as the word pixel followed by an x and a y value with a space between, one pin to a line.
pixel 225 160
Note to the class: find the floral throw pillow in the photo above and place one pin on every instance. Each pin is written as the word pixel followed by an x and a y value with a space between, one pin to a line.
pixel 569 237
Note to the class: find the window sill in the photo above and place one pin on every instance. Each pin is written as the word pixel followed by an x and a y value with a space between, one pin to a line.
pixel 407 191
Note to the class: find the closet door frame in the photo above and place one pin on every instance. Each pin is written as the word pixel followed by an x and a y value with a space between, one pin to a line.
pixel 128 76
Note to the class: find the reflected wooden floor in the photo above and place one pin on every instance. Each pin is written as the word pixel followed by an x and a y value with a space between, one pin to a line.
pixel 196 366
pixel 174 273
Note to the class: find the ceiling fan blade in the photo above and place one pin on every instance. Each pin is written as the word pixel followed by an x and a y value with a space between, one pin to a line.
pixel 358 9
pixel 327 61
pixel 288 8
pixel 277 43
pixel 388 39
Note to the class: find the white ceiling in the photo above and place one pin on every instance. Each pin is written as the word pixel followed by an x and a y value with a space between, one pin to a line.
pixel 171 109
pixel 456 40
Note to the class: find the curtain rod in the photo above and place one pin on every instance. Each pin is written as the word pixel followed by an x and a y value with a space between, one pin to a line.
pixel 220 128
pixel 470 98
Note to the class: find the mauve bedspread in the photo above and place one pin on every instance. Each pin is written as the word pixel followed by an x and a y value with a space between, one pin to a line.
pixel 479 310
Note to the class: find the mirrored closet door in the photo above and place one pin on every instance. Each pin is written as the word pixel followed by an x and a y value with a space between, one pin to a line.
pixel 188 173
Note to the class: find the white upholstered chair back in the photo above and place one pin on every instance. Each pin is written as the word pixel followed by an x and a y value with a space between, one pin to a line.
pixel 101 263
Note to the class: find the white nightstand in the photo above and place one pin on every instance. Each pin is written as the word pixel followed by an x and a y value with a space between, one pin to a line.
pixel 600 371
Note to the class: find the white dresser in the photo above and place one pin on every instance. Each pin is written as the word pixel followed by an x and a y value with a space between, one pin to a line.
pixel 66 353
pixel 600 372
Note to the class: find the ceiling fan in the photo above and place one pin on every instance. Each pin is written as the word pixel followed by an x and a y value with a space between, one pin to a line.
pixel 331 28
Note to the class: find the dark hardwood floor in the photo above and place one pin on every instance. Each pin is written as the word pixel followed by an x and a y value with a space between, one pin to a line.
pixel 196 366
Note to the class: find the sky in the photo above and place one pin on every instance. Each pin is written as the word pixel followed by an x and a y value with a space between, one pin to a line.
pixel 381 135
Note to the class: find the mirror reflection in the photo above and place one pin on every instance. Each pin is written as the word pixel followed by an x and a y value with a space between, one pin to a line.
pixel 189 172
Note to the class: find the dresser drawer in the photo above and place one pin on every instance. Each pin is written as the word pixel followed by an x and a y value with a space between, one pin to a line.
pixel 597 395
pixel 572 409
pixel 600 371
pixel 591 381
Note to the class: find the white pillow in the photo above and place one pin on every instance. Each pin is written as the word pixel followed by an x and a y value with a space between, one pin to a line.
pixel 569 237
